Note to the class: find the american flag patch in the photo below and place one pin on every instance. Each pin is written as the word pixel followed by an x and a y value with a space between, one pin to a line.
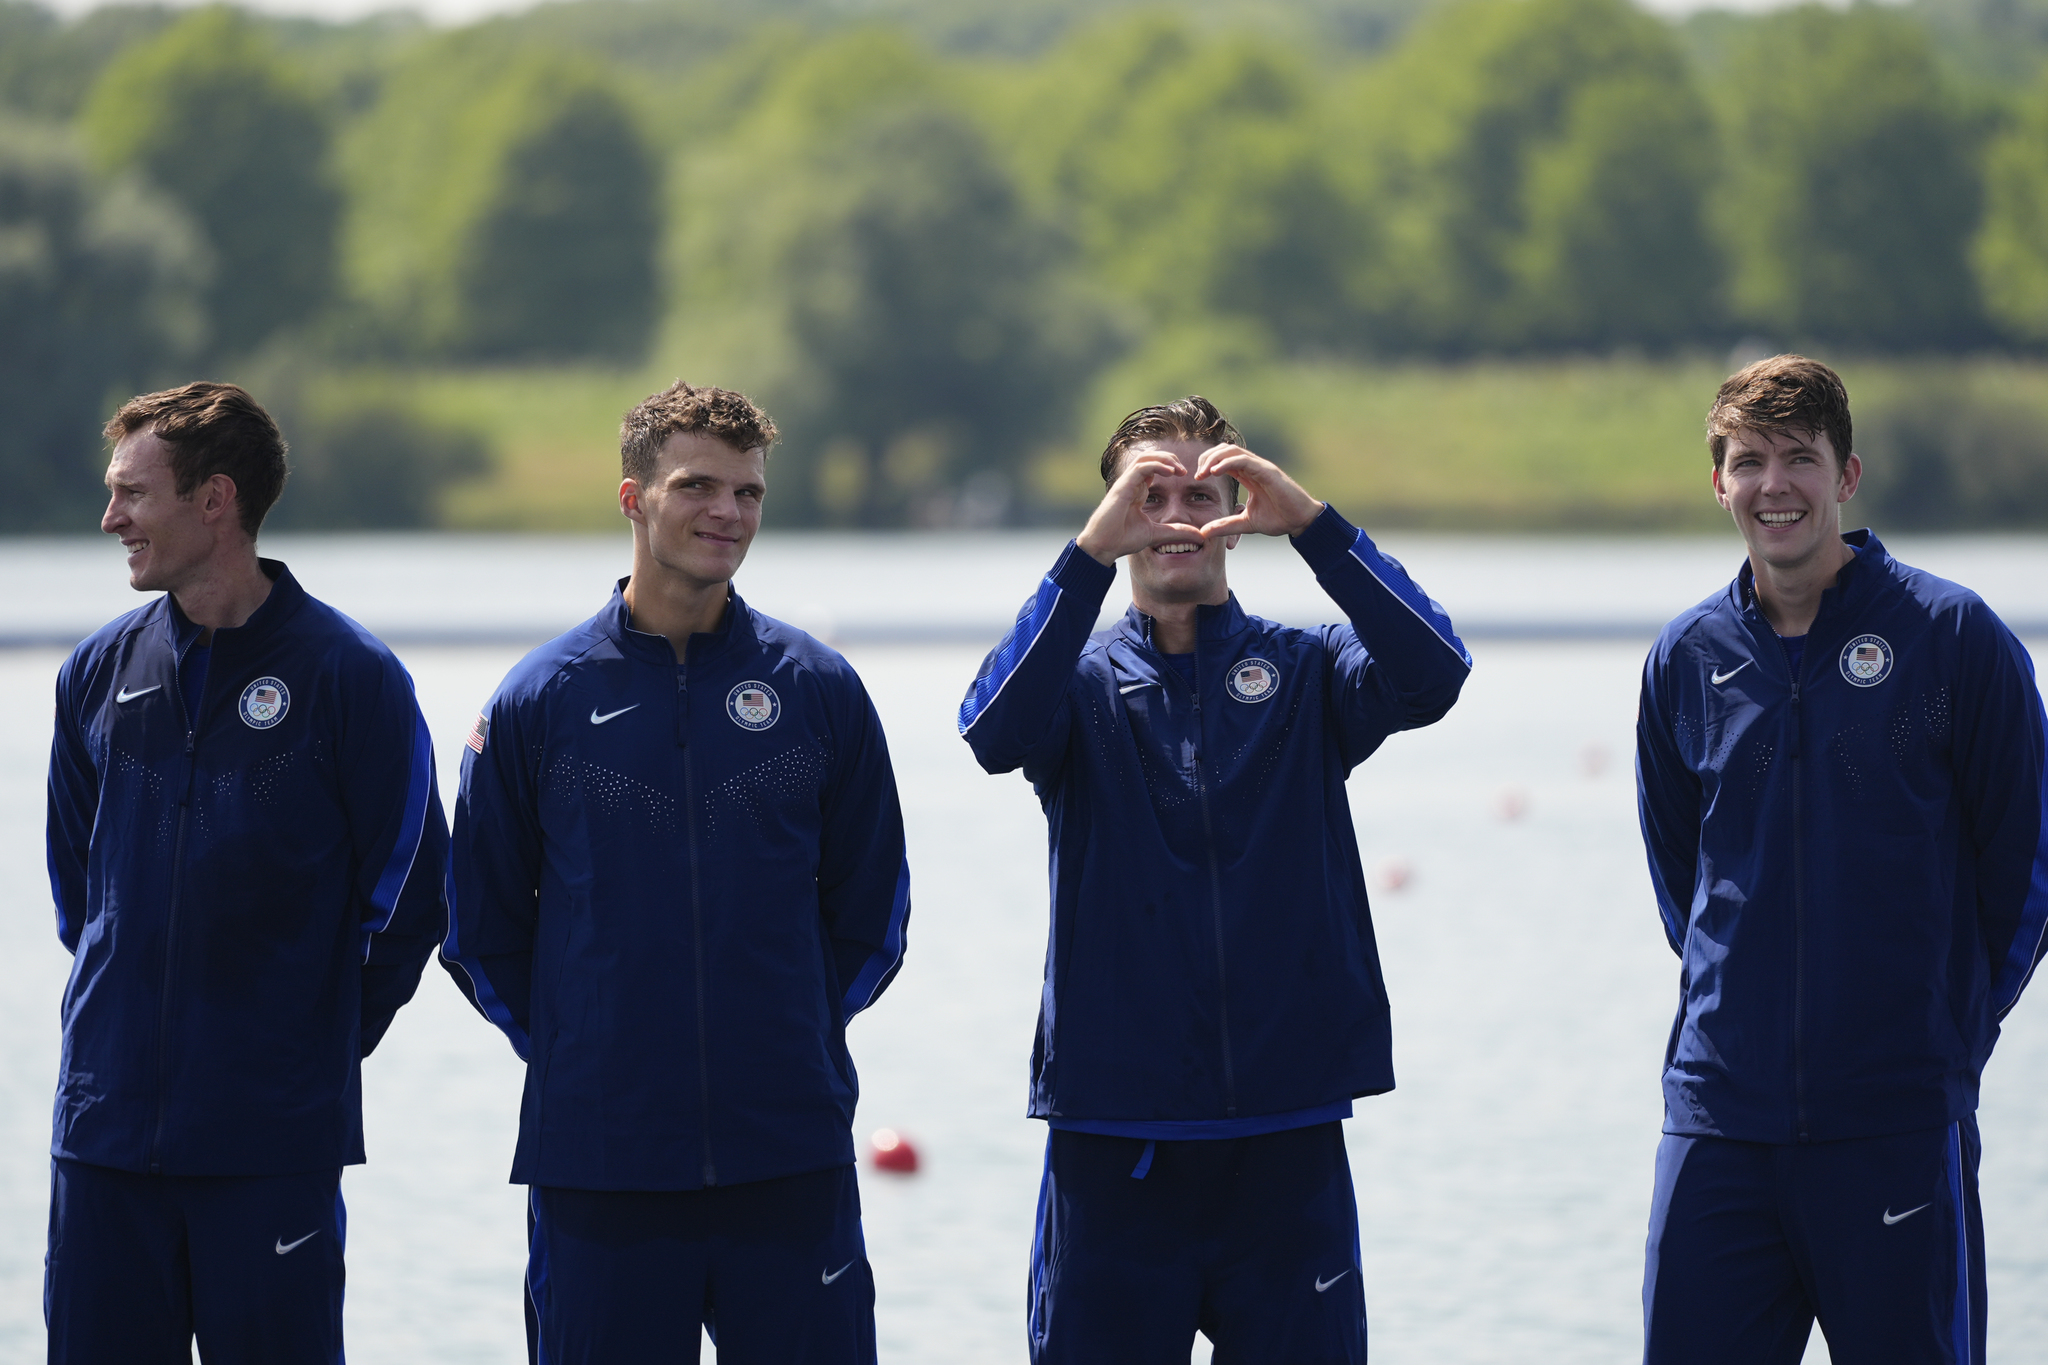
pixel 479 732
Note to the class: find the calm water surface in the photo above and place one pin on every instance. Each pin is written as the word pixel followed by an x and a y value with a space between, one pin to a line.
pixel 1503 1186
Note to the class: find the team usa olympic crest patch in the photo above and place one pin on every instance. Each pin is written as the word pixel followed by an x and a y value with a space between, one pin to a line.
pixel 1253 680
pixel 1866 661
pixel 264 703
pixel 753 706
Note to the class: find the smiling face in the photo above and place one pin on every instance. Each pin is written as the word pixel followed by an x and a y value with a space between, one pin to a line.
pixel 698 512
pixel 169 539
pixel 1185 571
pixel 1785 490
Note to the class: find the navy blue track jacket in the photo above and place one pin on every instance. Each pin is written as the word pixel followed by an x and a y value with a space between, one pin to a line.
pixel 1851 864
pixel 1212 954
pixel 249 898
pixel 672 885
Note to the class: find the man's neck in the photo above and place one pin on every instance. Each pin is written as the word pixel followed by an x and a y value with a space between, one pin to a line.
pixel 225 595
pixel 1174 624
pixel 663 603
pixel 1789 596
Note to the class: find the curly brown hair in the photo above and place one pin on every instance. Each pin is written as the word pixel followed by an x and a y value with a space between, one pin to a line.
pixel 1786 393
pixel 212 429
pixel 722 414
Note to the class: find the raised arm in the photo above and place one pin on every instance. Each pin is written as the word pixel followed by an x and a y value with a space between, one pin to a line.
pixel 494 872
pixel 1400 664
pixel 1014 713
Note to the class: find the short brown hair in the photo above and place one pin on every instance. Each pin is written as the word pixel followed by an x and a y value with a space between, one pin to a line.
pixel 1786 393
pixel 212 429
pixel 1193 418
pixel 722 414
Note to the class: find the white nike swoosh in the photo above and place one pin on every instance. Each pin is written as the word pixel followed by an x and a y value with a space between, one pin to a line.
pixel 125 695
pixel 1720 678
pixel 1891 1218
pixel 1132 687
pixel 283 1246
pixel 596 719
pixel 837 1273
pixel 1323 1284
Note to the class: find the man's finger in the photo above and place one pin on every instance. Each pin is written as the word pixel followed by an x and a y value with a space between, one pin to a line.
pixel 1237 523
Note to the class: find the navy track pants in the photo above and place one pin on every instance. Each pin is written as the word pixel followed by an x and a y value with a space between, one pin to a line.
pixel 1253 1241
pixel 776 1269
pixel 1880 1239
pixel 141 1264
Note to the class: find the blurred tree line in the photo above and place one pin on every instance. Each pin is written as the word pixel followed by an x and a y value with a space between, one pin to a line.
pixel 924 226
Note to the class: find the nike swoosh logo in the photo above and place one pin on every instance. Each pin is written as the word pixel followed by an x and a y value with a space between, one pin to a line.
pixel 1891 1218
pixel 283 1246
pixel 596 719
pixel 837 1273
pixel 1323 1284
pixel 1720 678
pixel 125 695
pixel 1132 687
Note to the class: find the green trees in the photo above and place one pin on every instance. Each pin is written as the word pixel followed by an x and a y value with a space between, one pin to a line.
pixel 99 284
pixel 1542 167
pixel 1852 194
pixel 505 206
pixel 930 329
pixel 211 117
pixel 2011 251
pixel 1195 174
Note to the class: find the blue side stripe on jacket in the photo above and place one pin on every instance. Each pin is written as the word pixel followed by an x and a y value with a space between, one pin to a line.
pixel 1394 577
pixel 1031 622
pixel 1959 1318
pixel 883 964
pixel 398 868
pixel 480 988
pixel 2030 940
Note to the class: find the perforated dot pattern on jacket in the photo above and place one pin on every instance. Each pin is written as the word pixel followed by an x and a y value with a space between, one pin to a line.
pixel 791 780
pixel 609 793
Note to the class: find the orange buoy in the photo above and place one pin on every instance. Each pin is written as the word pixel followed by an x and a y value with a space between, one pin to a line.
pixel 893 1152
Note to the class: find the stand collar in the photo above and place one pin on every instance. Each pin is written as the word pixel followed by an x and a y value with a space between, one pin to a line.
pixel 284 601
pixel 1222 621
pixel 737 625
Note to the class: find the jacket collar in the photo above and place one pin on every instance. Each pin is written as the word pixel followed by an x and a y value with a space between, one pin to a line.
pixel 1224 621
pixel 1850 585
pixel 284 601
pixel 616 621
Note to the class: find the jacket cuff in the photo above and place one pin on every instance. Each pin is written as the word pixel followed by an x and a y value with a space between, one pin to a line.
pixel 1077 572
pixel 1326 540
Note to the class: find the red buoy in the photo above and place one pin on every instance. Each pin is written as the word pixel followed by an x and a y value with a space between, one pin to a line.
pixel 893 1152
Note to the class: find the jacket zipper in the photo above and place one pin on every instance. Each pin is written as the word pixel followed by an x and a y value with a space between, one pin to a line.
pixel 1215 904
pixel 1798 922
pixel 163 1008
pixel 696 913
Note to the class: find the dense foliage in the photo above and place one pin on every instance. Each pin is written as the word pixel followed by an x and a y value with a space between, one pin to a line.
pixel 920 228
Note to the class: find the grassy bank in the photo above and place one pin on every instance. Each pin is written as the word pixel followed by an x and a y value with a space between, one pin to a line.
pixel 1586 444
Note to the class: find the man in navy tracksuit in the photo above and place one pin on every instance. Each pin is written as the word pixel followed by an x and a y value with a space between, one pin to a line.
pixel 1841 767
pixel 678 872
pixel 1213 1000
pixel 245 848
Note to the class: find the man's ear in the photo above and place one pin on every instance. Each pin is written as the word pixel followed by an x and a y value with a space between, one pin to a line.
pixel 216 497
pixel 1720 495
pixel 1852 475
pixel 629 500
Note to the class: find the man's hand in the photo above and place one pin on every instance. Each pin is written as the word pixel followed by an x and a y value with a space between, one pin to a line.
pixel 1274 504
pixel 1119 525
